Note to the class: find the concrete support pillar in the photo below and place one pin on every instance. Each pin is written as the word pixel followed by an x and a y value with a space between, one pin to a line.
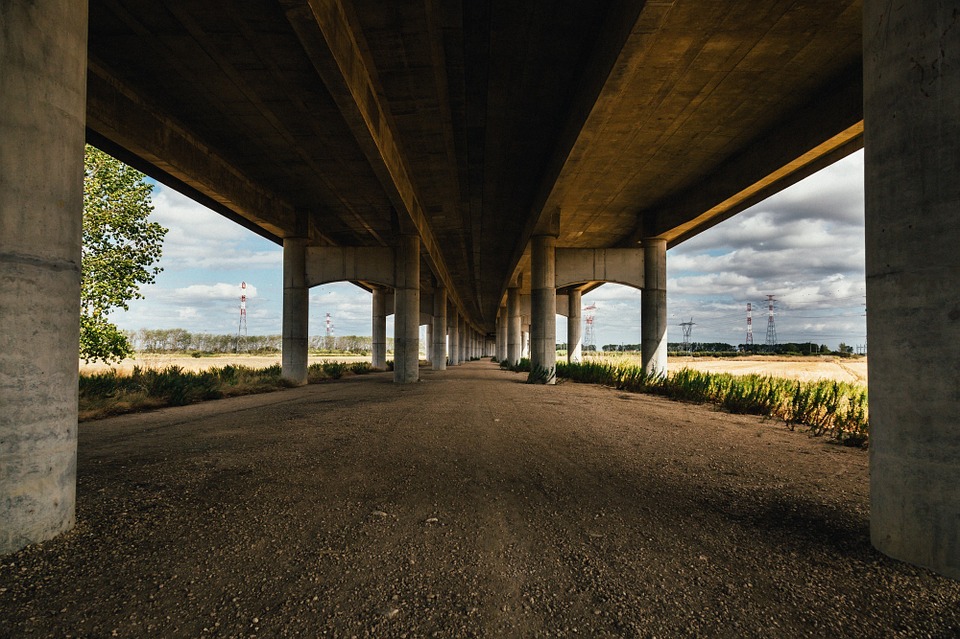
pixel 514 339
pixel 653 307
pixel 461 339
pixel 406 324
pixel 453 322
pixel 543 307
pixel 43 61
pixel 439 343
pixel 428 342
pixel 574 328
pixel 912 160
pixel 525 333
pixel 379 331
pixel 502 322
pixel 296 310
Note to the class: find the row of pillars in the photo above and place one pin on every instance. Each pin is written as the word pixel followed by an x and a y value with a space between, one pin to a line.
pixel 543 308
pixel 465 343
pixel 912 158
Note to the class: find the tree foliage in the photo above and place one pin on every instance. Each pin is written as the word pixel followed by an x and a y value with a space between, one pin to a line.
pixel 120 249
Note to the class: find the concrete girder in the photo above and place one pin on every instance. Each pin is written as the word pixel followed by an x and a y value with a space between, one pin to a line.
pixel 124 124
pixel 826 129
pixel 326 264
pixel 335 45
pixel 581 266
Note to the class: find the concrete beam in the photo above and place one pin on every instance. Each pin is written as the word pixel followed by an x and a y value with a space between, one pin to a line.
pixel 43 50
pixel 826 129
pixel 327 264
pixel 580 266
pixel 911 164
pixel 337 49
pixel 124 124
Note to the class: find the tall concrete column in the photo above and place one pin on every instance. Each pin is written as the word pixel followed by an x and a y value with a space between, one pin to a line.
pixel 439 343
pixel 514 338
pixel 912 163
pixel 296 307
pixel 379 329
pixel 406 324
pixel 543 306
pixel 43 61
pixel 462 340
pixel 574 328
pixel 653 307
pixel 428 342
pixel 453 321
pixel 502 321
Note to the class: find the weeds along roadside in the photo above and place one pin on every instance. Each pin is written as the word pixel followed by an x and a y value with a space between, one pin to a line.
pixel 825 407
pixel 114 393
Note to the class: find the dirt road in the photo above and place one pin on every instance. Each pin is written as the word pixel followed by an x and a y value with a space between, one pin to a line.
pixel 469 504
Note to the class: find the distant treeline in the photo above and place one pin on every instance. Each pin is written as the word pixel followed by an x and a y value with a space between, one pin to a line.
pixel 721 348
pixel 178 340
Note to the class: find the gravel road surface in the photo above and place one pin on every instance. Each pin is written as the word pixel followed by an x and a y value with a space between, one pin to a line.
pixel 469 504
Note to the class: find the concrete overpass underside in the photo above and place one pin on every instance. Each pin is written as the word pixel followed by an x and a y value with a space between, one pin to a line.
pixel 474 140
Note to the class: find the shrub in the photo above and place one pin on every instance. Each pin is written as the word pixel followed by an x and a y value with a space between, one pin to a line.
pixel 361 368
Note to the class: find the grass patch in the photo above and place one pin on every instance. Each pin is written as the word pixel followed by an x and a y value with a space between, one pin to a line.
pixel 825 407
pixel 113 392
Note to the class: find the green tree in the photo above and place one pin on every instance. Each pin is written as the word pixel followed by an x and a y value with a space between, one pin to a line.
pixel 120 248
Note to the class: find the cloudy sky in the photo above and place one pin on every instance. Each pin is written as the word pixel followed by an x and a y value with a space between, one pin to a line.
pixel 804 245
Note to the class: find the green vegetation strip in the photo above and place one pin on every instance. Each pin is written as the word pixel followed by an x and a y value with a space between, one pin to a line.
pixel 113 392
pixel 825 407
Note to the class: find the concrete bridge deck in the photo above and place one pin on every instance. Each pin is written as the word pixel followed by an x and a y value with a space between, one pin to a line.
pixel 449 508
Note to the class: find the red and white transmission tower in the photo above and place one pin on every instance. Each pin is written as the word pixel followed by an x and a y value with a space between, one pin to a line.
pixel 330 328
pixel 242 326
pixel 589 337
pixel 749 341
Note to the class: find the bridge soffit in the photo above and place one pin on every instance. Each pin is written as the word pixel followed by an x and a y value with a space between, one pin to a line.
pixel 579 266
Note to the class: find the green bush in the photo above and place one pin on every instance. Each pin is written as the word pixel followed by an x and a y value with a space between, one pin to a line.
pixel 361 368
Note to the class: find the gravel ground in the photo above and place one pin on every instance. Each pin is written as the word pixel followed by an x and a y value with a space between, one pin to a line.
pixel 469 504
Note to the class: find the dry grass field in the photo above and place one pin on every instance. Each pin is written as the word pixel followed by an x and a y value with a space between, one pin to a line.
pixel 853 370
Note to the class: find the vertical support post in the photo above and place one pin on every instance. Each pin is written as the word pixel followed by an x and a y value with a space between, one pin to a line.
pixel 912 159
pixel 543 308
pixel 296 310
pixel 439 344
pixel 462 339
pixel 453 322
pixel 43 62
pixel 379 353
pixel 574 327
pixel 514 343
pixel 406 325
pixel 502 323
pixel 427 353
pixel 653 307
pixel 525 352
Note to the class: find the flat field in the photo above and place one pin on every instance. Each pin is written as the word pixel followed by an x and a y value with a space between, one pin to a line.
pixel 853 370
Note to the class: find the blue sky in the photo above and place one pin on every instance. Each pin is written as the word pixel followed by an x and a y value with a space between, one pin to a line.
pixel 805 245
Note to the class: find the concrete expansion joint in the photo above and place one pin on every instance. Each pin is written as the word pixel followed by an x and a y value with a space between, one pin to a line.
pixel 39 262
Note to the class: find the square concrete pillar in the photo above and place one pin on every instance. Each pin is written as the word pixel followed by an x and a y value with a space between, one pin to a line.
pixel 406 326
pixel 439 344
pixel 912 164
pixel 296 310
pixel 43 62
pixel 543 309
pixel 653 307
